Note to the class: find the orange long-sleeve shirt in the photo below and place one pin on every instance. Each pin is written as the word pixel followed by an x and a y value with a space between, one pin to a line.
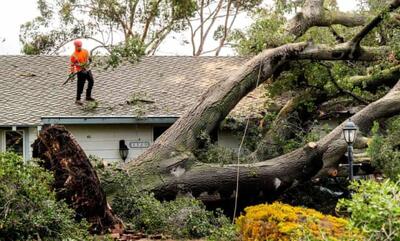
pixel 79 59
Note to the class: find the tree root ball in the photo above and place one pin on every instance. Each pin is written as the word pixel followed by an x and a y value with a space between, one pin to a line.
pixel 75 180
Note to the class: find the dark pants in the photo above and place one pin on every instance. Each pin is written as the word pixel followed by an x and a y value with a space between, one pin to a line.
pixel 82 77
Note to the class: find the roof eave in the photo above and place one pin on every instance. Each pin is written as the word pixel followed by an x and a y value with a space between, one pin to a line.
pixel 93 120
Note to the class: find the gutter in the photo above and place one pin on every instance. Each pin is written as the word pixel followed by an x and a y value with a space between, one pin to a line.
pixel 93 120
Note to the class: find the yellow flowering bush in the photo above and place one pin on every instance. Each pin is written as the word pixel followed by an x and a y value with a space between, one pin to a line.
pixel 283 222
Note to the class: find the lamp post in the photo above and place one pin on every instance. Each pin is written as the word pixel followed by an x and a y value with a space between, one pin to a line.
pixel 123 150
pixel 349 134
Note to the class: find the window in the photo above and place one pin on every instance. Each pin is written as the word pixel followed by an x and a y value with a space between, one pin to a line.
pixel 15 142
pixel 158 130
pixel 214 136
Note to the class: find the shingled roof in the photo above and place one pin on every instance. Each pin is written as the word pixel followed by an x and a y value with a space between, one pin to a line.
pixel 31 87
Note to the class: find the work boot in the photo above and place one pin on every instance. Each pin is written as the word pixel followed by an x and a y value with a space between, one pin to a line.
pixel 90 99
pixel 78 102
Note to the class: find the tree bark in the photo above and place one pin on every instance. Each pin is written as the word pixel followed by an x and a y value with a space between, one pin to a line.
pixel 220 98
pixel 271 176
pixel 285 124
pixel 171 166
pixel 75 180
pixel 216 104
pixel 387 77
pixel 314 14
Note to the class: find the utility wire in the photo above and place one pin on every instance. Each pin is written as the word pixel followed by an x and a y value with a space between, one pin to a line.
pixel 239 152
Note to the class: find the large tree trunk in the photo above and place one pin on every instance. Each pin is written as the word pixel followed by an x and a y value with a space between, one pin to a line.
pixel 222 97
pixel 171 166
pixel 75 180
pixel 264 178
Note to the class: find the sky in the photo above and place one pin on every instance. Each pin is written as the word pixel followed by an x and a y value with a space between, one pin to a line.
pixel 16 12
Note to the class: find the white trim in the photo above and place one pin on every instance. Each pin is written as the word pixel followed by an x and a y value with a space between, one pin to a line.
pixel 3 140
pixel 26 145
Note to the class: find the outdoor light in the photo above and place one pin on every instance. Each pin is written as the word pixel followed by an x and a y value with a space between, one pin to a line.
pixel 123 150
pixel 349 134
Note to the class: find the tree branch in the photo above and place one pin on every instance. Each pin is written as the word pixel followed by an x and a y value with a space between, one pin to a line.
pixel 226 28
pixel 314 14
pixel 204 36
pixel 192 35
pixel 84 37
pixel 339 39
pixel 387 77
pixel 342 90
pixel 356 40
pixel 149 20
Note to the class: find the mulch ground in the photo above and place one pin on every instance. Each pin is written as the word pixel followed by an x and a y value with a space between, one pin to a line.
pixel 131 235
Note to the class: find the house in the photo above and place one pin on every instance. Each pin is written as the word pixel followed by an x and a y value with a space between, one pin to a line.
pixel 136 102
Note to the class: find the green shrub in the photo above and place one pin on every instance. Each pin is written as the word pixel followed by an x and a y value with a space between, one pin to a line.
pixel 302 137
pixel 182 218
pixel 375 208
pixel 218 154
pixel 188 218
pixel 384 149
pixel 112 178
pixel 227 232
pixel 145 212
pixel 28 208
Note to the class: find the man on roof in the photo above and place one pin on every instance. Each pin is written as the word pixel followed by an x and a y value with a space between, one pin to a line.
pixel 80 61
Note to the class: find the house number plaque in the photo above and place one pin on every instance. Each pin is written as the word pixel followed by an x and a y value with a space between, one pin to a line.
pixel 139 144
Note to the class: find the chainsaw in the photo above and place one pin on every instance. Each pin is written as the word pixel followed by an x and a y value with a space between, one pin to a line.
pixel 85 67
pixel 70 77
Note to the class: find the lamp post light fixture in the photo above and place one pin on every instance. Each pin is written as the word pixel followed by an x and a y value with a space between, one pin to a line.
pixel 123 150
pixel 349 134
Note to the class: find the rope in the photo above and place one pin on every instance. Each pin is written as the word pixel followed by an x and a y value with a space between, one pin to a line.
pixel 239 151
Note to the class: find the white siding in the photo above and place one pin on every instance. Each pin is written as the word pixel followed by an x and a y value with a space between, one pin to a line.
pixel 103 140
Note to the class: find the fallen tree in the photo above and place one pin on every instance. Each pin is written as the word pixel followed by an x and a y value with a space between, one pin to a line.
pixel 217 102
pixel 264 178
pixel 169 166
